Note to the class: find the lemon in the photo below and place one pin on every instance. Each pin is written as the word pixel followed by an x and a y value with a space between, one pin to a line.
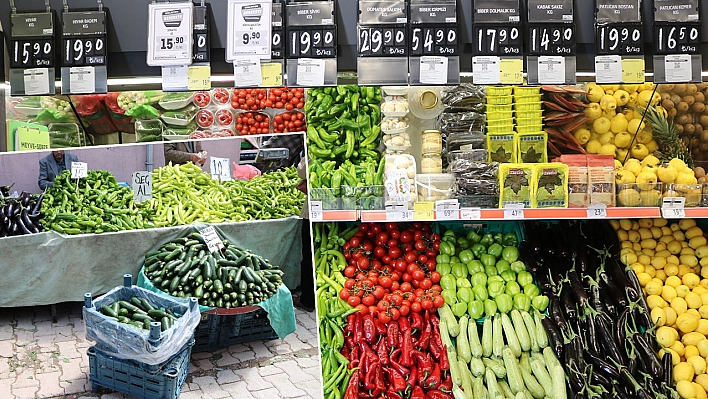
pixel 668 293
pixel 702 327
pixel 670 315
pixel 680 306
pixel 655 301
pixel 699 364
pixel 692 338
pixel 693 300
pixel 653 288
pixel 690 351
pixel 666 336
pixel 683 372
pixel 691 280
pixel 645 277
pixel 700 391
pixel 685 388
pixel 686 322
pixel 679 348
pixel 682 290
pixel 658 316
pixel 673 281
pixel 703 347
pixel 659 262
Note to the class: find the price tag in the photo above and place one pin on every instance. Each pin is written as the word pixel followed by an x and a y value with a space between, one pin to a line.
pixel 170 34
pixel 37 81
pixel 633 70
pixel 608 69
pixel 249 29
pixel 424 210
pixel 310 72
pixel 597 211
pixel 175 78
pixel 486 70
pixel 211 239
pixel 199 77
pixel 447 210
pixel 79 170
pixel 272 74
pixel 82 79
pixel 497 28
pixel 220 168
pixel 514 211
pixel 471 213
pixel 673 207
pixel 31 139
pixel 551 69
pixel 142 186
pixel 433 70
pixel 247 71
pixel 398 212
pixel 678 68
pixel 316 211
pixel 511 71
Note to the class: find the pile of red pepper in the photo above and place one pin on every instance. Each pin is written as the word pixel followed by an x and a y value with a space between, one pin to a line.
pixel 402 359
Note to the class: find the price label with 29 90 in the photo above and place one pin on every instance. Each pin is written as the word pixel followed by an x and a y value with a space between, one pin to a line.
pixel 381 41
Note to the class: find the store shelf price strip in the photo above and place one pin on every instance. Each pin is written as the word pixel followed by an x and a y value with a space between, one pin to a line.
pixel 497 28
pixel 311 30
pixel 316 211
pixel 170 27
pixel 382 28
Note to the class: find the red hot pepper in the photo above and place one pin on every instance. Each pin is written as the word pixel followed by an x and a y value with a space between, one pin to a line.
pixel 406 346
pixel 382 352
pixel 446 385
pixel 436 335
pixel 393 335
pixel 354 354
pixel 436 394
pixel 424 340
pixel 380 383
pixel 444 361
pixel 434 349
pixel 393 395
pixel 433 380
pixel 351 322
pixel 369 329
pixel 418 393
pixel 398 381
pixel 369 382
pixel 353 387
pixel 412 377
pixel 358 328
pixel 380 327
pixel 398 367
pixel 404 324
pixel 425 366
pixel 417 321
pixel 395 355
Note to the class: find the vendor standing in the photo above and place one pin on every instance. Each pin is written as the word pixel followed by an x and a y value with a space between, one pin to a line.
pixel 183 152
pixel 52 165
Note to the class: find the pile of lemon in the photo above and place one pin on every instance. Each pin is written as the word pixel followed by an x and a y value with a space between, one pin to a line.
pixel 613 123
pixel 671 262
pixel 646 182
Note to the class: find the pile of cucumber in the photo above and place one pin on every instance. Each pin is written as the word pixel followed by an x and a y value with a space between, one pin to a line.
pixel 139 312
pixel 228 278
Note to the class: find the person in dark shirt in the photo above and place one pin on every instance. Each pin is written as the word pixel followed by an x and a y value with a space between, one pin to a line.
pixel 183 152
pixel 52 165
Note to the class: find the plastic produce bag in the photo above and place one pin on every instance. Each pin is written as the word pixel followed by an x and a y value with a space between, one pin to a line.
pixel 127 342
pixel 465 97
pixel 453 122
pixel 143 112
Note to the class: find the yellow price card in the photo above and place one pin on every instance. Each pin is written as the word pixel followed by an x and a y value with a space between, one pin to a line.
pixel 511 71
pixel 199 77
pixel 424 210
pixel 30 139
pixel 633 70
pixel 272 73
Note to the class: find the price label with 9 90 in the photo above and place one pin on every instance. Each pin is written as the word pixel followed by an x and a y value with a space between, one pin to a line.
pixel 552 39
pixel 84 51
pixel 498 40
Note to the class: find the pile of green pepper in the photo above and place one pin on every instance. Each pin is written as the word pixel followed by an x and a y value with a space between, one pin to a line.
pixel 94 204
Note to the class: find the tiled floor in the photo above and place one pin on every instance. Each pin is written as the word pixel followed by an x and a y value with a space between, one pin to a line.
pixel 41 359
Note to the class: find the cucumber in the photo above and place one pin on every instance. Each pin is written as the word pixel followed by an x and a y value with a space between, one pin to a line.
pixel 137 302
pixel 131 307
pixel 141 317
pixel 108 311
pixel 208 270
pixel 194 273
pixel 175 283
pixel 165 323
pixel 218 286
pixel 242 286
pixel 199 291
pixel 174 254
pixel 146 304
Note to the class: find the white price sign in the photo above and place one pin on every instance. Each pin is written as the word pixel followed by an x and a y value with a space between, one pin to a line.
pixel 79 170
pixel 220 168
pixel 485 70
pixel 37 81
pixel 597 211
pixel 316 211
pixel 310 72
pixel 433 70
pixel 608 69
pixel 678 68
pixel 447 210
pixel 471 213
pixel 249 29
pixel 551 69
pixel 211 239
pixel 247 71
pixel 170 34
pixel 175 78
pixel 82 80
pixel 514 211
pixel 399 215
pixel 142 186
pixel 673 207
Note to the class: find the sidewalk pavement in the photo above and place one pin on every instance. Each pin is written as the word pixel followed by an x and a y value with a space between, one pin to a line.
pixel 41 359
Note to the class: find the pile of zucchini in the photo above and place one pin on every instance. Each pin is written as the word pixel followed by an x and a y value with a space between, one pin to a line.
pixel 228 278
pixel 139 312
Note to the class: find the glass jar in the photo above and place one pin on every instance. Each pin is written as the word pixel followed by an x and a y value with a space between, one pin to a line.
pixel 431 163
pixel 431 142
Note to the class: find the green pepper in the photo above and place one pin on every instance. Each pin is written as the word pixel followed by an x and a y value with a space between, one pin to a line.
pixel 495 288
pixel 475 266
pixel 447 282
pixel 495 250
pixel 510 254
pixel 510 239
pixel 512 288
pixel 480 292
pixel 459 309
pixel 487 240
pixel 447 248
pixel 518 266
pixel 490 308
pixel 442 258
pixel 488 260
pixel 459 270
pixel 450 296
pixel 491 271
pixel 508 276
pixel 463 282
pixel 504 302
pixel 479 279
pixel 540 303
pixel 494 278
pixel 454 259
pixel 466 256
pixel 474 237
pixel 522 302
pixel 524 278
pixel 464 294
pixel 532 290
pixel 475 309
pixel 463 243
pixel 503 266
pixel 448 235
pixel 443 268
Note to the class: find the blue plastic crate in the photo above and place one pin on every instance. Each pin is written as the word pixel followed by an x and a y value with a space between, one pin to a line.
pixel 206 335
pixel 132 378
pixel 245 327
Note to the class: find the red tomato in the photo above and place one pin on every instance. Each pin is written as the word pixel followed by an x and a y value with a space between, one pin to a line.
pixel 438 301
pixel 364 310
pixel 349 284
pixel 385 282
pixel 202 99
pixel 384 318
pixel 353 300
pixel 378 292
pixel 435 277
pixel 368 300
pixel 344 294
pixel 350 271
pixel 426 304
pixel 406 237
pixel 415 307
pixel 410 257
pixel 419 275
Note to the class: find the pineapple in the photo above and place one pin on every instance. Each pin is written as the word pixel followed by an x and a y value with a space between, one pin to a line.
pixel 665 134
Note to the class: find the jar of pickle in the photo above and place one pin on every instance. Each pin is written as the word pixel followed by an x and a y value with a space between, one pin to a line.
pixel 431 142
pixel 431 163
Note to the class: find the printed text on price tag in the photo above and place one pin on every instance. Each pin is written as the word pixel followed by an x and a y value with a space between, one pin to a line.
pixel 316 211
pixel 597 211
pixel 79 170
pixel 211 239
pixel 514 211
pixel 220 168
pixel 673 207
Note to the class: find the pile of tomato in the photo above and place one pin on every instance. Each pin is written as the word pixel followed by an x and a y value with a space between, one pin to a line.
pixel 288 98
pixel 252 123
pixel 249 99
pixel 291 121
pixel 391 270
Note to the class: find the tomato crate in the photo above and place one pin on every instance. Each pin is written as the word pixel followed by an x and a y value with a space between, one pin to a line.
pixel 132 378
pixel 245 327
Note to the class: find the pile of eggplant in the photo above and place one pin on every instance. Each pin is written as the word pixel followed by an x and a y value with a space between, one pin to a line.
pixel 598 323
pixel 20 216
